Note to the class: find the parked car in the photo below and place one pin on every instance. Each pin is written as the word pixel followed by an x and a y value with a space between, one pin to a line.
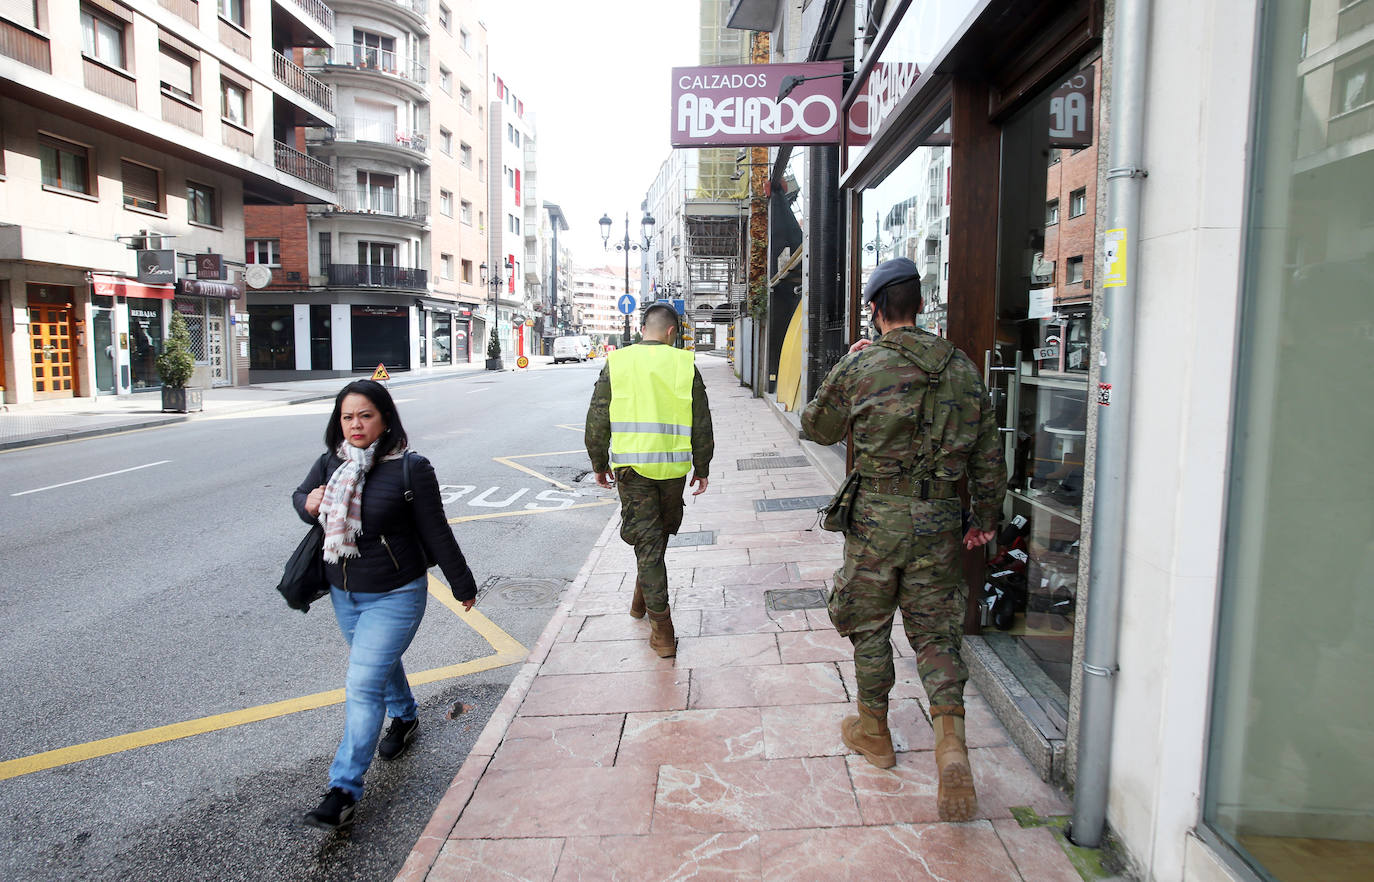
pixel 577 349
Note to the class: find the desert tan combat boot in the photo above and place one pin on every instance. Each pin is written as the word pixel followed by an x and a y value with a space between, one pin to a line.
pixel 956 799
pixel 868 734
pixel 637 604
pixel 662 638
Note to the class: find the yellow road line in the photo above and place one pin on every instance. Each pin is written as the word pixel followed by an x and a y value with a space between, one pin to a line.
pixel 506 460
pixel 535 511
pixel 507 651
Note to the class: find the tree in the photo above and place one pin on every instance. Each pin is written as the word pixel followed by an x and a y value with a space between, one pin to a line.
pixel 494 345
pixel 176 363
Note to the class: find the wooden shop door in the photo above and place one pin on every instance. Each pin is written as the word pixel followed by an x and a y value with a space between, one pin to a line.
pixel 50 334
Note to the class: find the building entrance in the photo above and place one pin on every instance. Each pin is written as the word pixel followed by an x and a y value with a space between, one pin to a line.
pixel 50 334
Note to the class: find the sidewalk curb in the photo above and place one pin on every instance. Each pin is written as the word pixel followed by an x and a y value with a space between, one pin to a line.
pixel 425 853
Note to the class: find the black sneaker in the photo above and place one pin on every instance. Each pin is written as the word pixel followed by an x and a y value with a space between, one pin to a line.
pixel 397 738
pixel 334 812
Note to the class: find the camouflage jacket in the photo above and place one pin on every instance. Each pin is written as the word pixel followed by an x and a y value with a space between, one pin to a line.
pixel 879 392
pixel 598 432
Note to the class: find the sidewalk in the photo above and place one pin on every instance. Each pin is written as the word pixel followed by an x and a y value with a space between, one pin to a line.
pixel 606 762
pixel 43 422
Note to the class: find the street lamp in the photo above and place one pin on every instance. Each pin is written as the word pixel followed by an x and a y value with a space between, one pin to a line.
pixel 647 225
pixel 494 284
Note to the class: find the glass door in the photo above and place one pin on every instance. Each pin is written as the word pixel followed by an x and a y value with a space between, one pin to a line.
pixel 102 340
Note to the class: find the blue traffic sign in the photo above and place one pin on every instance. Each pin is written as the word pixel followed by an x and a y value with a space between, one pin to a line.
pixel 626 304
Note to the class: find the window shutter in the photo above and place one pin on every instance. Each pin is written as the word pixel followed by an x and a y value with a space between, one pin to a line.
pixel 176 72
pixel 20 12
pixel 140 183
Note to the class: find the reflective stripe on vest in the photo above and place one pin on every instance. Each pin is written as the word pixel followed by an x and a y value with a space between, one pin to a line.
pixel 651 409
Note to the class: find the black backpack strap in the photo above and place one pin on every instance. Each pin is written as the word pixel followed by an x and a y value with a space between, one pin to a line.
pixel 324 467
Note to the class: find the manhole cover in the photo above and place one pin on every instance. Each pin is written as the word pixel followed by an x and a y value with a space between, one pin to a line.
pixel 790 503
pixel 699 537
pixel 782 599
pixel 520 593
pixel 772 462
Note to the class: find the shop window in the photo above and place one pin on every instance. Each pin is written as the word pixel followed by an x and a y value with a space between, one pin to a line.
pixel 142 186
pixel 263 251
pixel 1078 203
pixel 234 103
pixel 145 341
pixel 102 37
pixel 202 204
pixel 446 266
pixel 446 142
pixel 1051 212
pixel 65 165
pixel 177 73
pixel 192 311
pixel 1073 270
pixel 272 338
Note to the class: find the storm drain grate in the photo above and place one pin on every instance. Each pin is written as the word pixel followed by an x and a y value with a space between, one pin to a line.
pixel 520 593
pixel 772 462
pixel 698 537
pixel 790 503
pixel 783 599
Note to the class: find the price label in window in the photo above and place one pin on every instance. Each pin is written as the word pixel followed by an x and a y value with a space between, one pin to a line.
pixel 1104 394
pixel 1044 353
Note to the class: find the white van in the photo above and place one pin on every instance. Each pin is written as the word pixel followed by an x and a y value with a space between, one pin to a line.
pixel 571 349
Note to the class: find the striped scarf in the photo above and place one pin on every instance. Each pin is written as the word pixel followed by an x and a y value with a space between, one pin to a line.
pixel 341 511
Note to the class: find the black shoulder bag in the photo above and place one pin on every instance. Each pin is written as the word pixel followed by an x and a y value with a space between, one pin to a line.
pixel 303 580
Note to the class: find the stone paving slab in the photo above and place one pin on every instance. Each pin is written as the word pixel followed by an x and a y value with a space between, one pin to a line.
pixel 606 762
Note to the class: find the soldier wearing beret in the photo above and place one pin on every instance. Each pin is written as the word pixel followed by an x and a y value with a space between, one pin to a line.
pixel 921 421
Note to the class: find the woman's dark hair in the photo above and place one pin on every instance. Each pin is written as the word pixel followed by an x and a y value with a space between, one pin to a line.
pixel 393 439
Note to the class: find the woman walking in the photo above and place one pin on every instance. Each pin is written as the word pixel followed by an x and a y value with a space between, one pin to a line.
pixel 380 535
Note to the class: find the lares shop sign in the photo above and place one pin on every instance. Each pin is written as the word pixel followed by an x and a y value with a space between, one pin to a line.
pixel 738 106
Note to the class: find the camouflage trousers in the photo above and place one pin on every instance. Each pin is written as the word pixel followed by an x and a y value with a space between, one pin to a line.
pixel 650 512
pixel 889 569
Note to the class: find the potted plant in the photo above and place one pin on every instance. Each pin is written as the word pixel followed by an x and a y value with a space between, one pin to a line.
pixel 494 351
pixel 175 366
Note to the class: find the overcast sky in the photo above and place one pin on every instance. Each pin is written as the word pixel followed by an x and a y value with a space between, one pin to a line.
pixel 597 76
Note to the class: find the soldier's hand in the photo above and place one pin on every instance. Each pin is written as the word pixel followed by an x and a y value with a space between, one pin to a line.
pixel 976 537
pixel 860 345
pixel 703 482
pixel 604 480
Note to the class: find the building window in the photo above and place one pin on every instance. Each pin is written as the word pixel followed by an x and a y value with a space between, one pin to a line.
pixel 102 38
pixel 142 186
pixel 235 103
pixel 232 11
pixel 465 209
pixel 481 169
pixel 264 251
pixel 446 266
pixel 377 192
pixel 65 166
pixel 465 40
pixel 326 251
pixel 202 206
pixel 514 224
pixel 1073 269
pixel 467 272
pixel 1051 212
pixel 446 142
pixel 446 203
pixel 1355 86
pixel 1078 203
pixel 465 155
pixel 465 97
pixel 178 73
pixel 445 19
pixel 446 80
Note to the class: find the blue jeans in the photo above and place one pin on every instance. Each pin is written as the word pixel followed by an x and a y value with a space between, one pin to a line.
pixel 378 628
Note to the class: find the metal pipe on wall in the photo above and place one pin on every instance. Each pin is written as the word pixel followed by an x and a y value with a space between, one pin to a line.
pixel 1121 283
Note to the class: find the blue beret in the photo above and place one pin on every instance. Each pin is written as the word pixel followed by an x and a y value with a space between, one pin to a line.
pixel 898 269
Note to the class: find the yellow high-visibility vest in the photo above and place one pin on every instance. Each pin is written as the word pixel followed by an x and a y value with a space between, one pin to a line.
pixel 651 410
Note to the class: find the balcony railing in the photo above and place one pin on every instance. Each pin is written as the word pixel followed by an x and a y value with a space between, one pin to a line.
pixel 352 275
pixel 367 131
pixel 419 7
pixel 307 168
pixel 297 80
pixel 318 11
pixel 382 202
pixel 382 60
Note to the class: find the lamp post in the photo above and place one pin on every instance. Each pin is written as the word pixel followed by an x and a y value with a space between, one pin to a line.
pixel 647 225
pixel 494 284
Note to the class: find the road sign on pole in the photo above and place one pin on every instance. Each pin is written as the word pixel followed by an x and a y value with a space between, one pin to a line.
pixel 626 304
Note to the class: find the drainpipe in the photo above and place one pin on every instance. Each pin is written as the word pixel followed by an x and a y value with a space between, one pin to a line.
pixel 1125 175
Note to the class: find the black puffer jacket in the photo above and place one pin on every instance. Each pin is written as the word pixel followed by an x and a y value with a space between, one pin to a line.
pixel 390 553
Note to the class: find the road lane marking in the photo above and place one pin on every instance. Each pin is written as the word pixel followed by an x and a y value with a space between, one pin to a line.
pixel 507 651
pixel 506 460
pixel 91 478
pixel 536 511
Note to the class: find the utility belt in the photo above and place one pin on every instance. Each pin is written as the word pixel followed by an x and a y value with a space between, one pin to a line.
pixel 906 485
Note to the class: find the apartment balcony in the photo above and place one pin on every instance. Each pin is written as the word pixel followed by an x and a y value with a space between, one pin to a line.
pixel 352 275
pixel 366 138
pixel 306 168
pixel 364 65
pixel 313 90
pixel 380 205
pixel 414 11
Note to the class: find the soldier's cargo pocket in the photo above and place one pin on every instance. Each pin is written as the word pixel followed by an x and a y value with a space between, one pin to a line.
pixel 931 516
pixel 841 612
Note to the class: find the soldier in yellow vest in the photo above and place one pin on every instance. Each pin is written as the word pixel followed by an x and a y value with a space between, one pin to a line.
pixel 648 427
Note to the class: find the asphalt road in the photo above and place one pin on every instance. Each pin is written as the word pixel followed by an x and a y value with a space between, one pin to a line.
pixel 145 598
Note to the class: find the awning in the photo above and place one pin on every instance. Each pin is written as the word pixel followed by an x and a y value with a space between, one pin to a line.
pixel 199 288
pixel 117 286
